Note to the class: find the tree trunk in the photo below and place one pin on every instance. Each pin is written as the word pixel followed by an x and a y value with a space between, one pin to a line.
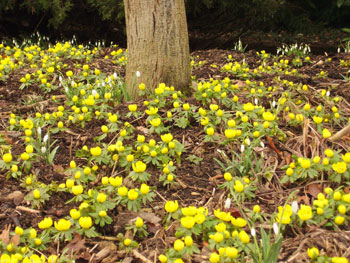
pixel 157 41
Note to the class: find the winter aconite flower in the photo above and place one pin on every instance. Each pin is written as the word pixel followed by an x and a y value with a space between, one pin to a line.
pixel 96 151
pixel 339 167
pixel 45 223
pixel 7 157
pixel 85 222
pixel 305 212
pixel 62 225
pixel 179 245
pixel 171 206
pixel 139 167
pixel 188 221
pixel 313 252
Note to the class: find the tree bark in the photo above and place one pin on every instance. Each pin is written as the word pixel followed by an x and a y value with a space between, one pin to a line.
pixel 157 41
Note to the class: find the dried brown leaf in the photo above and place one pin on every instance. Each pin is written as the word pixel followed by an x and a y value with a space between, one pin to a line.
pixel 75 245
pixel 15 239
pixel 314 189
pixel 5 235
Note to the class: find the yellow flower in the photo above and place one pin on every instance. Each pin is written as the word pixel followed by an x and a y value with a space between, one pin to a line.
pixel 155 122
pixel 339 167
pixel 101 198
pixel 189 211
pixel 162 258
pixel 171 206
pixel 77 189
pixel 346 157
pixel 132 107
pixel 223 215
pixel 139 222
pixel 62 225
pixel 214 258
pixel 45 223
pixel 36 194
pixel 167 137
pixel 85 222
pixel 326 134
pixel 74 213
pixel 24 156
pixel 289 171
pixel 188 241
pixel 329 153
pixel 127 241
pixel 342 209
pixel 144 189
pixel 256 209
pixel 7 157
pixel 339 220
pixel 248 107
pixel 179 245
pixel 243 236
pixel 231 252
pixel 139 167
pixel 313 252
pixel 52 259
pixel 268 116
pixel 239 187
pixel 151 110
pixel 18 231
pixel 186 106
pixel 305 163
pixel 317 119
pixel 218 237
pixel 238 222
pixel 69 73
pixel 230 133
pixel 122 191
pixel 188 222
pixel 210 131
pixel 95 151
pixel 228 177
pixel 305 212
pixel 132 194
pixel 339 260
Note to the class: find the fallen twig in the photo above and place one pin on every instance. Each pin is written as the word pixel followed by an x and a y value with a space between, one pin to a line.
pixel 27 209
pixel 340 134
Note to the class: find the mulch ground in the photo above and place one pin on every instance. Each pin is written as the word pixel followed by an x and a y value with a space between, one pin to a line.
pixel 197 185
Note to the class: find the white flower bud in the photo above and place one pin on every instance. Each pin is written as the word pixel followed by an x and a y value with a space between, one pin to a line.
pixel 295 207
pixel 43 149
pixel 115 75
pixel 275 228
pixel 39 130
pixel 242 148
pixel 253 232
pixel 227 203
pixel 262 144
pixel 46 137
pixel 93 92
pixel 138 74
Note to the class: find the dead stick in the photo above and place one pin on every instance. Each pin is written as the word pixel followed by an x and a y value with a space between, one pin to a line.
pixel 340 133
pixel 141 257
pixel 26 209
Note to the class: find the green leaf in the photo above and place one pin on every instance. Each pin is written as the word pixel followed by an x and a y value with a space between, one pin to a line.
pixel 340 3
